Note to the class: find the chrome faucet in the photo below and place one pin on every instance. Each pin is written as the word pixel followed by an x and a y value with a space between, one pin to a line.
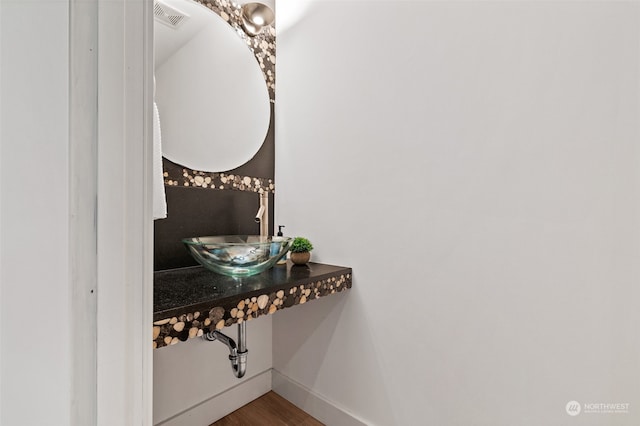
pixel 262 217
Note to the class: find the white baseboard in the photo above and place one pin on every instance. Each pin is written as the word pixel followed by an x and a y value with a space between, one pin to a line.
pixel 317 406
pixel 226 402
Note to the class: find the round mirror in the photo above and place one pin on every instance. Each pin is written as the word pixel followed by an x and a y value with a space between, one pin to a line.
pixel 212 97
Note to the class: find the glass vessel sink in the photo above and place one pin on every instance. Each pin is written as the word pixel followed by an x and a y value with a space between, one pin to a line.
pixel 238 255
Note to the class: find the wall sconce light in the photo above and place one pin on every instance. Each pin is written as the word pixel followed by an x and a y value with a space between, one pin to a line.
pixel 256 16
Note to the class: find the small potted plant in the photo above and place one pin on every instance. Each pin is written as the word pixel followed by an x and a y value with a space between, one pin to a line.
pixel 300 248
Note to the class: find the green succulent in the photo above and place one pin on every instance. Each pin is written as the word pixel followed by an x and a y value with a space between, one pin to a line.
pixel 301 245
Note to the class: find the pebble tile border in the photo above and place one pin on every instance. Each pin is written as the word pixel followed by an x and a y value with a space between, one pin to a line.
pixel 170 331
pixel 176 175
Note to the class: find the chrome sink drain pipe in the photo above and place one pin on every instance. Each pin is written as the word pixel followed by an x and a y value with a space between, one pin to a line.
pixel 237 353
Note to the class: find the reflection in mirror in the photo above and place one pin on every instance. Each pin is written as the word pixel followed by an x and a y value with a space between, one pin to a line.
pixel 212 97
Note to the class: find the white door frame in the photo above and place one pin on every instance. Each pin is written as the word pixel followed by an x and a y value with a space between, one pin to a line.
pixel 83 187
pixel 124 214
pixel 100 208
pixel 104 293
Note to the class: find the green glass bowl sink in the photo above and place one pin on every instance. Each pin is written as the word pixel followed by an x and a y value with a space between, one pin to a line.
pixel 238 255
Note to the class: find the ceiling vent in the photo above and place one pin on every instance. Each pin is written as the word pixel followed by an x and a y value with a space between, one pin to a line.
pixel 168 15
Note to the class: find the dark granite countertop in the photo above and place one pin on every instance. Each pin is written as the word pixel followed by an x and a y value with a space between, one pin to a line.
pixel 187 301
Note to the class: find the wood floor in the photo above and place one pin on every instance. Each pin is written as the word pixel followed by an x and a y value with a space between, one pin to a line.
pixel 269 410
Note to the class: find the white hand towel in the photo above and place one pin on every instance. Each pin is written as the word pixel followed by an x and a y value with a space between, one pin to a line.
pixel 159 198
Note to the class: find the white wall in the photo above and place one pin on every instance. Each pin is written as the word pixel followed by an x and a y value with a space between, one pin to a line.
pixel 190 378
pixel 477 164
pixel 34 251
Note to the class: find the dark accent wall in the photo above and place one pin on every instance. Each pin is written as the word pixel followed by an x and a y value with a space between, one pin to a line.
pixel 194 212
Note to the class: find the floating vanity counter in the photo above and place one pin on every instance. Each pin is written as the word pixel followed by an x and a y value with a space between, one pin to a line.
pixel 190 301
